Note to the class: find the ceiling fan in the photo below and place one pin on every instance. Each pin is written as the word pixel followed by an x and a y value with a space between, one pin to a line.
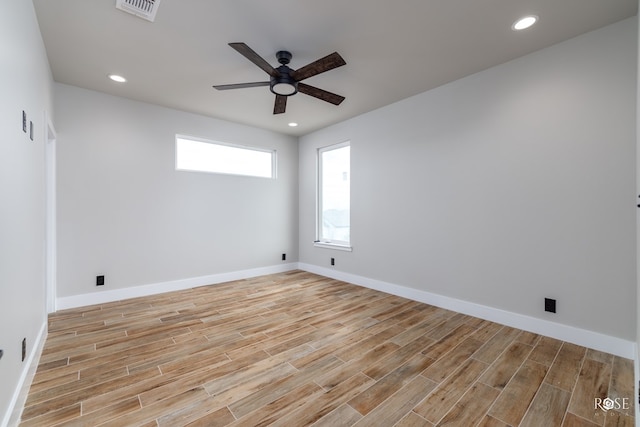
pixel 285 81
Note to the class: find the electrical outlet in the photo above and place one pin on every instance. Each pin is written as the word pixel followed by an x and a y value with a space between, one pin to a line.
pixel 550 305
pixel 284 257
pixel 24 121
pixel 24 348
pixel 99 280
pixel 333 261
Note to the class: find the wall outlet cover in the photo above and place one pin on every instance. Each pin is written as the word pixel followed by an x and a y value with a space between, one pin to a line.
pixel 550 305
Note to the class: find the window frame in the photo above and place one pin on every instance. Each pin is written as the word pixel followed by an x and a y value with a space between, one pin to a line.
pixel 273 152
pixel 320 241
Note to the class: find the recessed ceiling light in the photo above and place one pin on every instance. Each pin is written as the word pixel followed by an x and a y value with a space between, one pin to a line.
pixel 524 23
pixel 117 78
pixel 293 124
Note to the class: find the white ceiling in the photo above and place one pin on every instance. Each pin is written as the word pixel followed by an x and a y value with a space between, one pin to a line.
pixel 393 49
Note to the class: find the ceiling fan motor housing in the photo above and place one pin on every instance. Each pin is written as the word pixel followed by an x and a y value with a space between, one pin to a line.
pixel 283 84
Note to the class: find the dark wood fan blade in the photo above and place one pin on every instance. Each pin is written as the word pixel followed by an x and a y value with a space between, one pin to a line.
pixel 320 94
pixel 241 85
pixel 280 105
pixel 327 63
pixel 249 53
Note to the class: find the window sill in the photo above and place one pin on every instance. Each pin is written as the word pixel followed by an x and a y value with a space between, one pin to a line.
pixel 328 245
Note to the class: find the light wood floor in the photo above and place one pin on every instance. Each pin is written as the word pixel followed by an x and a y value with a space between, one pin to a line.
pixel 296 349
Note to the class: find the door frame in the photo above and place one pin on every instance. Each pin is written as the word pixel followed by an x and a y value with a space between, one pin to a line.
pixel 50 226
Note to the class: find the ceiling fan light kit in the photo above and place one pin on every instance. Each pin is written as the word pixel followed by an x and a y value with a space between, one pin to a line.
pixel 284 88
pixel 284 81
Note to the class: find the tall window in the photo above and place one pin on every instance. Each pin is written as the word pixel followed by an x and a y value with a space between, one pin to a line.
pixel 334 195
pixel 200 155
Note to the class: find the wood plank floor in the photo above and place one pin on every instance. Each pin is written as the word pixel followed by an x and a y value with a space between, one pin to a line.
pixel 297 349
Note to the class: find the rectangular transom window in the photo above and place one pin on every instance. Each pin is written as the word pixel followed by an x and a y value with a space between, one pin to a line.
pixel 334 195
pixel 194 154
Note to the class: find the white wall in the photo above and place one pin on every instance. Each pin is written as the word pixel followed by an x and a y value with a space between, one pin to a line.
pixel 502 188
pixel 125 213
pixel 25 84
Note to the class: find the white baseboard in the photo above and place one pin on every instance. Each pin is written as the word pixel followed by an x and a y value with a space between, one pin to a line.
pixel 12 417
pixel 174 285
pixel 583 337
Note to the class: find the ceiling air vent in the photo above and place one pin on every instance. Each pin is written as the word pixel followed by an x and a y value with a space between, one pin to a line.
pixel 145 9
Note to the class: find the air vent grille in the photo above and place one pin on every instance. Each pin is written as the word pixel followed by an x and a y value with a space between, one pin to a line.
pixel 145 9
